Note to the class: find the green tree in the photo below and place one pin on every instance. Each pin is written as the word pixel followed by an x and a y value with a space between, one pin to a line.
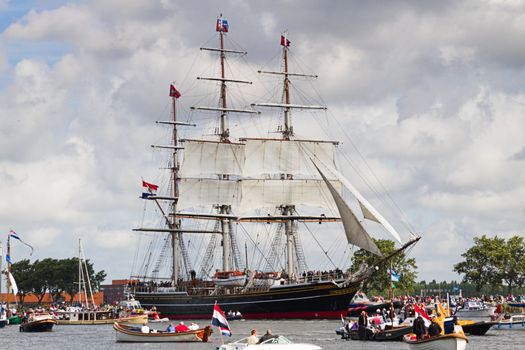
pixel 379 283
pixel 494 262
pixel 22 271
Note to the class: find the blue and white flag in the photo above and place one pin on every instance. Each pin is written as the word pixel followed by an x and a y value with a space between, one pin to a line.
pixel 14 235
pixel 394 276
pixel 219 320
pixel 8 259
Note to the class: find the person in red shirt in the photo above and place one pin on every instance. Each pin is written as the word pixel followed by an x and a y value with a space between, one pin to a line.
pixel 181 327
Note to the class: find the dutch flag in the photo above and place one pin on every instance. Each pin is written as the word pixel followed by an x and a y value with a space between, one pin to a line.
pixel 219 320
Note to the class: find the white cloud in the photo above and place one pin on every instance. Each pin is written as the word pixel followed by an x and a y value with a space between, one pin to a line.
pixel 432 96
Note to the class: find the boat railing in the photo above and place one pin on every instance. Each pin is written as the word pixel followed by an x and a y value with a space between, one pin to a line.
pixel 160 290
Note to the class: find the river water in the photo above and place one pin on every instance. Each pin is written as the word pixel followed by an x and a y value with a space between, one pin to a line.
pixel 319 332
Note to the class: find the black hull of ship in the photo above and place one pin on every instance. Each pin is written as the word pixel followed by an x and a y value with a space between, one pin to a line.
pixel 323 300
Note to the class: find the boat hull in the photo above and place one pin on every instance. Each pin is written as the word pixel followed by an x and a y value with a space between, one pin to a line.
pixel 477 328
pixel 139 319
pixel 443 342
pixel 516 322
pixel 393 334
pixel 323 300
pixel 134 335
pixel 38 326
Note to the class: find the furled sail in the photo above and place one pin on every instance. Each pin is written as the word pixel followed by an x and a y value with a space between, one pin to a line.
pixel 266 158
pixel 205 159
pixel 355 232
pixel 371 213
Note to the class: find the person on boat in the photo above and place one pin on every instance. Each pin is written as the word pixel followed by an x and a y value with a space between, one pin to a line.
pixel 457 328
pixel 419 327
pixel 193 326
pixel 253 339
pixel 434 330
pixel 145 328
pixel 181 327
pixel 362 323
pixel 266 336
pixel 171 328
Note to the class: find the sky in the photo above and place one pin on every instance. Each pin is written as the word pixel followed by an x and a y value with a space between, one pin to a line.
pixel 427 99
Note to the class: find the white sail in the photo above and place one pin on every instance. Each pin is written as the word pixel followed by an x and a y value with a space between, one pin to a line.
pixel 195 193
pixel 258 194
pixel 372 212
pixel 14 287
pixel 267 157
pixel 355 232
pixel 205 159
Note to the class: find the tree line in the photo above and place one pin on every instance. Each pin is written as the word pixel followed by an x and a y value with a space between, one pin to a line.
pixel 491 266
pixel 494 262
pixel 53 276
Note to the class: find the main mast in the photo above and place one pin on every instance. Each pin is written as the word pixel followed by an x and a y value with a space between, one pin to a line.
pixel 287 134
pixel 222 27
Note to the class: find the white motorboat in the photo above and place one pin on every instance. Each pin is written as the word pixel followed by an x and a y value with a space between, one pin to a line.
pixel 512 323
pixel 475 309
pixel 453 341
pixel 278 343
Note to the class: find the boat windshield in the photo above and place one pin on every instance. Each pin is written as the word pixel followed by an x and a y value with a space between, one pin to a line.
pixel 278 340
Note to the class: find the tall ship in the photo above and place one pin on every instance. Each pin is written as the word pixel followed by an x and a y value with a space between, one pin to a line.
pixel 224 190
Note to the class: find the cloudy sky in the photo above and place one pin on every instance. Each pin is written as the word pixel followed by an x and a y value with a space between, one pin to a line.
pixel 430 93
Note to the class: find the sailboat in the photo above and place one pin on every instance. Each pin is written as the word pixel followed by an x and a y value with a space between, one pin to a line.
pixel 87 313
pixel 230 182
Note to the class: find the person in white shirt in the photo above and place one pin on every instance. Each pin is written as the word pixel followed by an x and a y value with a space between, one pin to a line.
pixel 145 328
pixel 193 326
pixel 253 339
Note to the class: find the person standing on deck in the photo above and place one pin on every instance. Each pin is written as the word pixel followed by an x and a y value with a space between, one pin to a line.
pixel 362 323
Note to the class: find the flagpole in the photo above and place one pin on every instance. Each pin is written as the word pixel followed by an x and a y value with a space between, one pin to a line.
pixel 391 296
pixel 8 274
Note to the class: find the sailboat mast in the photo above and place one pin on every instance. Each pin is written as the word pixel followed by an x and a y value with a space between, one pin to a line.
pixel 288 129
pixel 224 135
pixel 224 131
pixel 175 236
pixel 8 269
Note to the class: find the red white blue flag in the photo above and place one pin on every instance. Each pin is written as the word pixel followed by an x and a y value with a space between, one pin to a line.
pixel 149 186
pixel 219 320
pixel 14 235
pixel 222 25
pixel 423 313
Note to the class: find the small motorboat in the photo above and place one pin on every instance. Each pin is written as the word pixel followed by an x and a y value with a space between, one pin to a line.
pixel 475 309
pixel 38 323
pixel 233 316
pixel 277 343
pixel 127 333
pixel 511 323
pixel 476 328
pixel 452 341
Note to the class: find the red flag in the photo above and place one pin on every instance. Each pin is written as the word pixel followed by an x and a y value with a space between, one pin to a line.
pixel 174 92
pixel 423 313
pixel 285 41
pixel 149 186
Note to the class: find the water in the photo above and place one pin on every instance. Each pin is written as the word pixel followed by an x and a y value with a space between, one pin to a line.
pixel 319 332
